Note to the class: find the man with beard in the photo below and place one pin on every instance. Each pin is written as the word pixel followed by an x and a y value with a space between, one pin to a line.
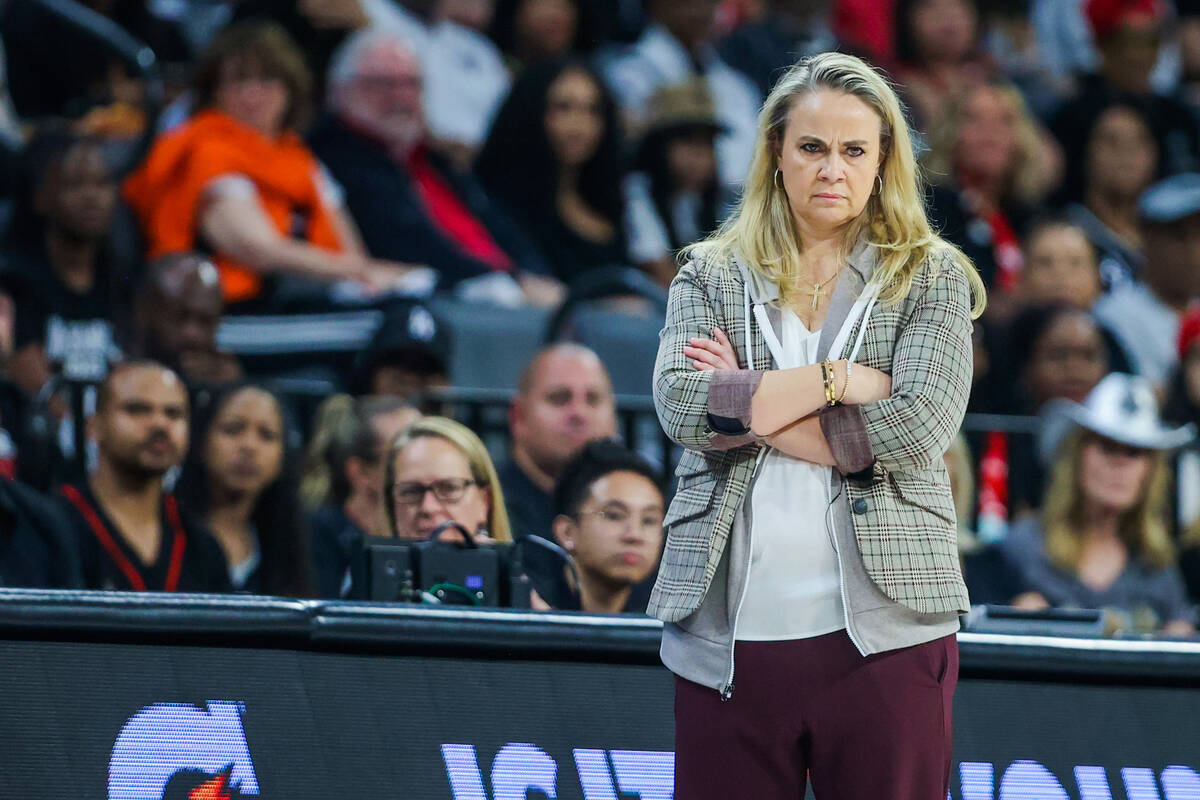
pixel 408 200
pixel 130 532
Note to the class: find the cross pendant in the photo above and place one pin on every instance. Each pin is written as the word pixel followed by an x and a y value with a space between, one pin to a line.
pixel 816 291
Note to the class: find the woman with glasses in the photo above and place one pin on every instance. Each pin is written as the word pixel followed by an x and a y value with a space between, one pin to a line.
pixel 1101 539
pixel 608 517
pixel 439 472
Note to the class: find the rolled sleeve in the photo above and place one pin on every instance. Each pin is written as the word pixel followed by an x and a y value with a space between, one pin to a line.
pixel 729 398
pixel 845 429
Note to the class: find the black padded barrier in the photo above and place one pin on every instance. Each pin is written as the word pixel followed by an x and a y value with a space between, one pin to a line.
pixel 126 696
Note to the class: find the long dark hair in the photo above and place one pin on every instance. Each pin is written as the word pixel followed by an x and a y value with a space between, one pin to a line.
pixel 286 566
pixel 652 160
pixel 517 164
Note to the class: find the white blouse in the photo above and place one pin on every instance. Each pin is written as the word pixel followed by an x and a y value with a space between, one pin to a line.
pixel 794 587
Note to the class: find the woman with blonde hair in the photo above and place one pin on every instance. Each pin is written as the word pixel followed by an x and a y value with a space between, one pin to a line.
pixel 816 363
pixel 439 477
pixel 1101 540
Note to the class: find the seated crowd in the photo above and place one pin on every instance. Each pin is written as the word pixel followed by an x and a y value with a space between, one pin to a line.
pixel 391 155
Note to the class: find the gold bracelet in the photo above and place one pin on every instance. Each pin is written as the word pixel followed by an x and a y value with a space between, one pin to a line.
pixel 845 385
pixel 830 386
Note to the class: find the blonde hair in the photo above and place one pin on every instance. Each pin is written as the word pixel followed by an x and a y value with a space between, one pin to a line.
pixel 1032 175
pixel 472 448
pixel 1141 528
pixel 342 430
pixel 761 228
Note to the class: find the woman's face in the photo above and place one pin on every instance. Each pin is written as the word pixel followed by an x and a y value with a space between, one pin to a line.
pixel 986 148
pixel 574 118
pixel 245 93
pixel 618 533
pixel 828 158
pixel 943 30
pixel 546 28
pixel 692 161
pixel 1112 475
pixel 433 464
pixel 244 451
pixel 1121 154
pixel 1060 267
pixel 1068 360
pixel 79 195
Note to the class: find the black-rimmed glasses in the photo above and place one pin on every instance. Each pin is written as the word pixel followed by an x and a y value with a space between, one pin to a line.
pixel 447 490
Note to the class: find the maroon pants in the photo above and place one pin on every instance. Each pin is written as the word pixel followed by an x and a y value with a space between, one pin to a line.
pixel 874 728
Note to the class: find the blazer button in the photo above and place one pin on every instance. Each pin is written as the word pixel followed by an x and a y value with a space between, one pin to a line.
pixel 860 506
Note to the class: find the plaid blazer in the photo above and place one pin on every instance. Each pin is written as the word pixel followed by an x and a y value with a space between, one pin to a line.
pixel 888 453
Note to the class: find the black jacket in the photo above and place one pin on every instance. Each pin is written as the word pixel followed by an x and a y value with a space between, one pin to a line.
pixel 383 201
pixel 36 551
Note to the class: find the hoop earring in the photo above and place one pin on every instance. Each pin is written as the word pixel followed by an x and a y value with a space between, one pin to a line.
pixel 778 179
pixel 879 180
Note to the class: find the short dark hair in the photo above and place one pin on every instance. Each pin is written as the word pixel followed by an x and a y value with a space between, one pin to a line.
pixel 104 390
pixel 596 459
pixel 277 55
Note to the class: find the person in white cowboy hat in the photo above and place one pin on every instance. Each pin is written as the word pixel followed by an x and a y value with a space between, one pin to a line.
pixel 1101 539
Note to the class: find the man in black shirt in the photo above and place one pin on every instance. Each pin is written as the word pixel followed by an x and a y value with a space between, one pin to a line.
pixel 56 265
pixel 35 550
pixel 130 532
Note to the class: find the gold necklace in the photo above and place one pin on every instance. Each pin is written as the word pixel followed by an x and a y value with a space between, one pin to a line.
pixel 817 291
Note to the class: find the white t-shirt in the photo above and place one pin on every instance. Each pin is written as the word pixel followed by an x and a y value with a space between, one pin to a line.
pixel 794 587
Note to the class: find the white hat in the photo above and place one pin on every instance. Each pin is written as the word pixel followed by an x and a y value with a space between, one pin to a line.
pixel 1120 407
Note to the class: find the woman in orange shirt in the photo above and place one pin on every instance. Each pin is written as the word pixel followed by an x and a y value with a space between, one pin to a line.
pixel 238 180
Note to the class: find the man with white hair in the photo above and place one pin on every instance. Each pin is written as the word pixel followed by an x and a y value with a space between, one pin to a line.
pixel 406 197
pixel 467 78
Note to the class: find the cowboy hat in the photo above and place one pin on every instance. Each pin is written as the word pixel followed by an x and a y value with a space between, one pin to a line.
pixel 1120 407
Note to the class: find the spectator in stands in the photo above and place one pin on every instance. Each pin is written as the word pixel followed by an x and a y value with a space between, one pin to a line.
pixel 528 31
pixel 564 400
pixel 410 202
pixel 1145 314
pixel 1060 265
pixel 1057 352
pixel 176 314
pixel 1128 36
pixel 68 289
pixel 130 531
pixel 785 32
pixel 36 551
pixel 406 358
pixel 1100 541
pixel 1113 157
pixel 608 516
pixel 343 488
pixel 552 158
pixel 1182 407
pixel 438 472
pixel 993 164
pixel 676 46
pixel 236 178
pixel 674 198
pixel 241 479
pixel 465 79
pixel 938 54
